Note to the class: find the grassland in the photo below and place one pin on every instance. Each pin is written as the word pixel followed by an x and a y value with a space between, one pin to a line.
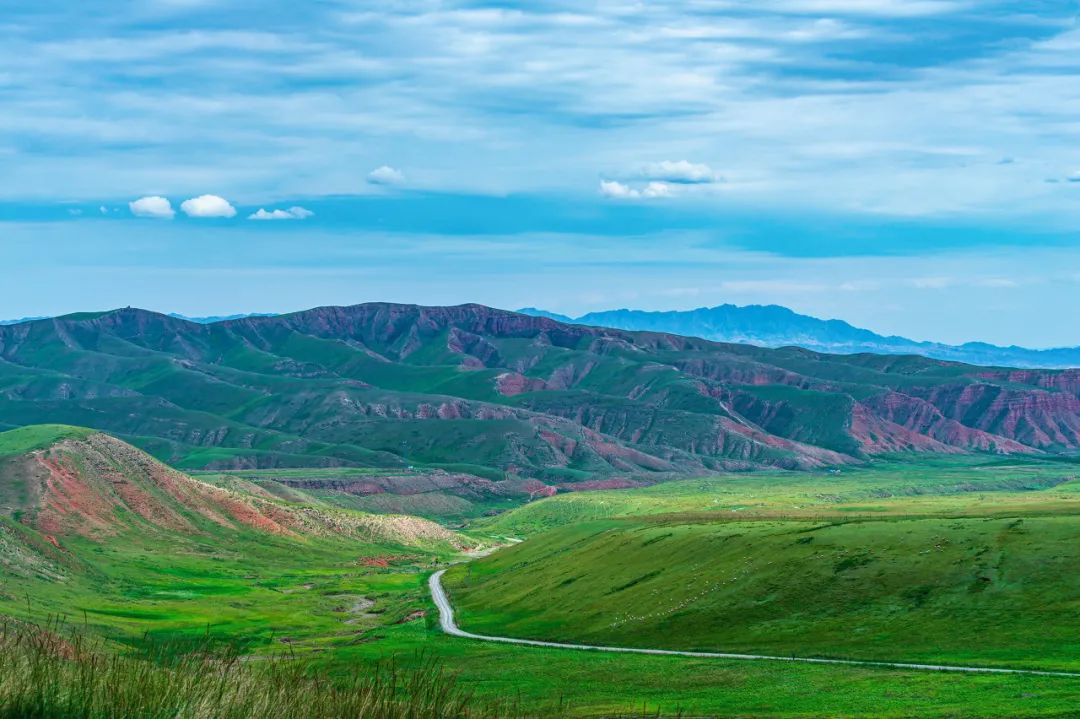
pixel 337 607
pixel 45 675
pixel 954 561
pixel 963 591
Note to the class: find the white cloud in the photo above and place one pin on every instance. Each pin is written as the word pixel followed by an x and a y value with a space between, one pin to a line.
pixel 386 175
pixel 293 213
pixel 152 206
pixel 208 206
pixel 680 171
pixel 619 191
pixel 612 188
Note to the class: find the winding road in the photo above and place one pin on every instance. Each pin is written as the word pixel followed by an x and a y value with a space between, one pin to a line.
pixel 446 621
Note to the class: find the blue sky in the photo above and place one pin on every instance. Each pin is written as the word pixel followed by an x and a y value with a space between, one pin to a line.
pixel 912 166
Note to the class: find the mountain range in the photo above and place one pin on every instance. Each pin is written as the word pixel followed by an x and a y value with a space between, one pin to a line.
pixel 505 402
pixel 775 326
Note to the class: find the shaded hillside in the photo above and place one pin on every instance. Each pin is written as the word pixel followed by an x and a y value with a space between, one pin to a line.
pixel 496 394
pixel 775 326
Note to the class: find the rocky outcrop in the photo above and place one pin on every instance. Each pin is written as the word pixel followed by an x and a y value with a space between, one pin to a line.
pixel 921 418
pixel 1034 418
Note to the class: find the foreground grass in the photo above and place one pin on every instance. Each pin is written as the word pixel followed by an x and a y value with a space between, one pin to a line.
pixel 46 676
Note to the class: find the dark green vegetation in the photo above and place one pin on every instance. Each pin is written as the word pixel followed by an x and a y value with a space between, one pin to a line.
pixel 506 406
pixel 342 592
pixel 958 562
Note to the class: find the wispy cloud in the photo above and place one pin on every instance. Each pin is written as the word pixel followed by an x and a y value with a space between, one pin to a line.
pixel 876 8
pixel 680 171
pixel 618 191
pixel 500 99
pixel 292 213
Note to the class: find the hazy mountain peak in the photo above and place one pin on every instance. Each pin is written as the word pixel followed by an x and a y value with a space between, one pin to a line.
pixel 778 326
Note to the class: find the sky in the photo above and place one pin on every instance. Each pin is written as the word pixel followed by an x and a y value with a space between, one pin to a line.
pixel 910 166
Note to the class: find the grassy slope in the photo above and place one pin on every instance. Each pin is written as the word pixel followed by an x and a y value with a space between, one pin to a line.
pixel 174 572
pixel 948 562
pixel 975 591
pixel 244 587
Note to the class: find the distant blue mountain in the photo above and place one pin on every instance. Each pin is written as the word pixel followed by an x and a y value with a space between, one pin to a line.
pixel 775 326
pixel 220 318
pixel 20 321
pixel 550 315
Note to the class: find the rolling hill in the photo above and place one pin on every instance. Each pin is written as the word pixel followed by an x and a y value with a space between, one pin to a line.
pixel 503 403
pixel 94 526
pixel 990 589
pixel 775 326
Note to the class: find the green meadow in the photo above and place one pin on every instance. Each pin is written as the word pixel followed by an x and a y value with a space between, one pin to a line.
pixel 893 486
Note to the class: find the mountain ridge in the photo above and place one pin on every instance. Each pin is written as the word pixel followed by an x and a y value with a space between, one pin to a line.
pixel 506 397
pixel 821 335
